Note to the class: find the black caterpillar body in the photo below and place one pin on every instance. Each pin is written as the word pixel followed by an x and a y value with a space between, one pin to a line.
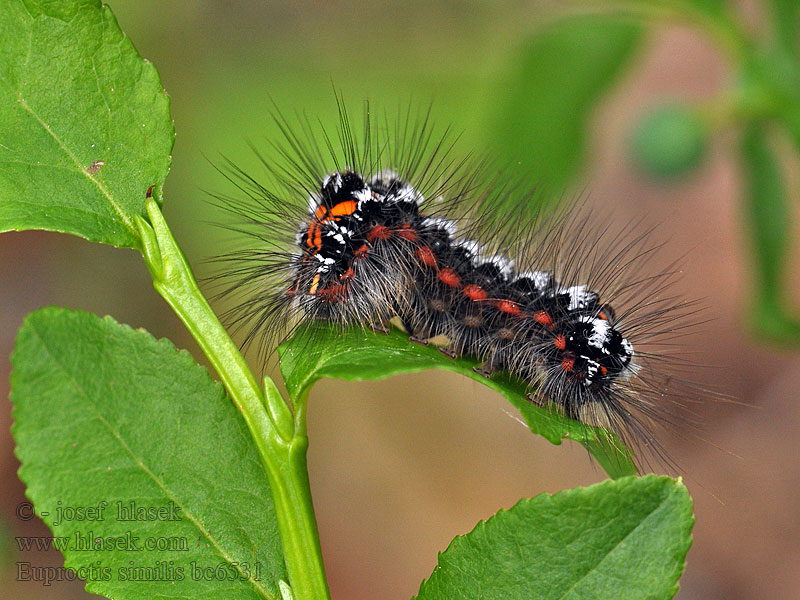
pixel 369 252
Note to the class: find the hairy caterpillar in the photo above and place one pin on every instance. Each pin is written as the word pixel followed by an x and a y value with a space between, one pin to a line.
pixel 383 225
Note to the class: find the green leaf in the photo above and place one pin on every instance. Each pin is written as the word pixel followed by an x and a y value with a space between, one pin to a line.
pixel 86 128
pixel 355 355
pixel 104 413
pixel 769 220
pixel 624 539
pixel 556 82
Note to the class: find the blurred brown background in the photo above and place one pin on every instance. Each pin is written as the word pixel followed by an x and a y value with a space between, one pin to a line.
pixel 399 467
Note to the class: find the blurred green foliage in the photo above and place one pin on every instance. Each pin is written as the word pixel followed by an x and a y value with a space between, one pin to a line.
pixel 564 67
pixel 767 210
pixel 555 82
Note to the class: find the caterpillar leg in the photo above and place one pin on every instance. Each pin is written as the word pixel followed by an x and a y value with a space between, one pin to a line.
pixel 413 335
pixel 379 328
pixel 536 398
pixel 483 370
pixel 448 353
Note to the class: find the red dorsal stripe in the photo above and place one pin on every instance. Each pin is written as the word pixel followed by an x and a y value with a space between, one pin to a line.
pixel 449 278
pixel 475 292
pixel 379 232
pixel 426 256
pixel 508 307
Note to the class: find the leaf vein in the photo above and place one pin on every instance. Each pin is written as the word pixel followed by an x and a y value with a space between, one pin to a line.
pixel 596 566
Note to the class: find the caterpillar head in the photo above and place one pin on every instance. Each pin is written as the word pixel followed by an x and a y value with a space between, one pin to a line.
pixel 323 270
pixel 595 352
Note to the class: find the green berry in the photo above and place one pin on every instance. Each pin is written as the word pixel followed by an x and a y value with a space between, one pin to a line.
pixel 669 141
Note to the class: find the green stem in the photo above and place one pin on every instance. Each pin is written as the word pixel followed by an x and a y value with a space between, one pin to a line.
pixel 785 19
pixel 281 444
pixel 736 106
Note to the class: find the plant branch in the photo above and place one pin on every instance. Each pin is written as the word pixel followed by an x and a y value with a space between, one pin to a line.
pixel 281 445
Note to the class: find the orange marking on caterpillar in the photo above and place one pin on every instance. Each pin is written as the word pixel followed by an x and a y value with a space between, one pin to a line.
pixel 475 292
pixel 449 278
pixel 560 342
pixel 508 307
pixel 314 285
pixel 318 239
pixel 343 209
pixel 347 275
pixel 426 256
pixel 323 215
pixel 568 363
pixel 314 237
